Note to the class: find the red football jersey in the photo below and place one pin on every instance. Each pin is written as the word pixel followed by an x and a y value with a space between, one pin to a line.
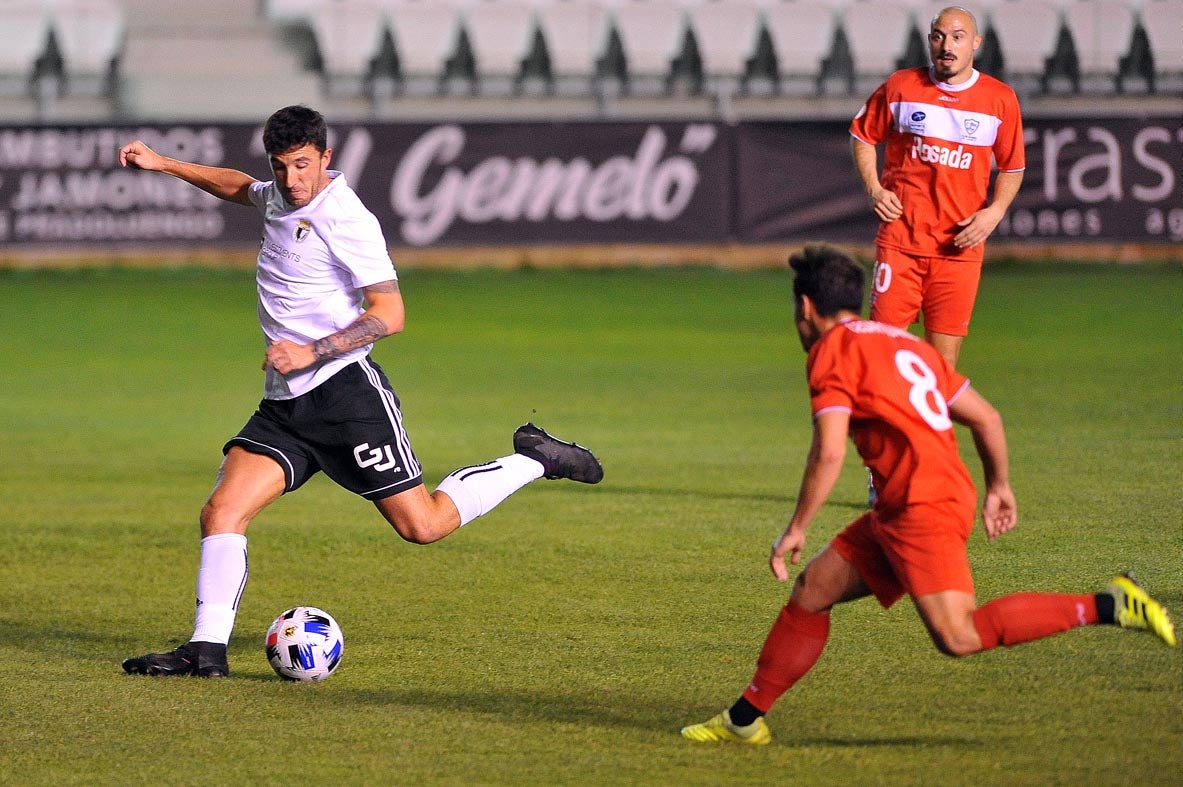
pixel 939 141
pixel 897 390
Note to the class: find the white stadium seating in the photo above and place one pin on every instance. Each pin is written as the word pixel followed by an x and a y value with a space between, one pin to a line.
pixel 1027 32
pixel 89 35
pixel 1102 35
pixel 651 34
pixel 802 34
pixel 425 36
pixel 1163 23
pixel 501 35
pixel 24 36
pixel 117 58
pixel 878 32
pixel 726 32
pixel 576 36
pixel 348 36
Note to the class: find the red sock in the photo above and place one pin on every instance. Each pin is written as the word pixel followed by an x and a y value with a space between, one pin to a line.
pixel 793 646
pixel 1022 617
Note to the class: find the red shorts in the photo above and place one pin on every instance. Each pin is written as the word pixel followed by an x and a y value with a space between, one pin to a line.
pixel 920 552
pixel 943 288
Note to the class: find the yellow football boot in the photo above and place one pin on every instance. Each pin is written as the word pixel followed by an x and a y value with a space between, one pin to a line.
pixel 1135 609
pixel 720 729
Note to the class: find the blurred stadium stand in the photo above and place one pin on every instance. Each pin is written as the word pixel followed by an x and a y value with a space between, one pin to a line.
pixel 104 60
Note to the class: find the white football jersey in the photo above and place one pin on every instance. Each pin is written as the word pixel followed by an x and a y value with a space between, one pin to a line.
pixel 313 263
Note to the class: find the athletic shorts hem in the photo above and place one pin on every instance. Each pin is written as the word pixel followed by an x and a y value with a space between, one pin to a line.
pixel 255 447
pixel 886 596
pixel 393 489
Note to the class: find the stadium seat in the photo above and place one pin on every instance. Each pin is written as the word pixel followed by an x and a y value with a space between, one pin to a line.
pixel 426 35
pixel 89 35
pixel 878 33
pixel 1163 20
pixel 1028 33
pixel 24 38
pixel 348 36
pixel 576 36
pixel 802 34
pixel 726 32
pixel 501 35
pixel 652 34
pixel 1102 34
pixel 290 12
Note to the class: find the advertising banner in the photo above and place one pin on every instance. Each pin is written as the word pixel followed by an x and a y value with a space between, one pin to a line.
pixel 447 184
pixel 515 184
pixel 1115 179
pixel 1105 180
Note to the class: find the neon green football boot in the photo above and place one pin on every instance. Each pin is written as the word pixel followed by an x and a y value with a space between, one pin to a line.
pixel 720 729
pixel 1135 609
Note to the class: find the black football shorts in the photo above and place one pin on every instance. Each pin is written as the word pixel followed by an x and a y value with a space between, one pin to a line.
pixel 349 426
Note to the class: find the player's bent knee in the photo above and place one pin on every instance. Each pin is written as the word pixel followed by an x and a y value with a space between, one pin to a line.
pixel 216 520
pixel 417 517
pixel 957 644
pixel 416 529
pixel 414 533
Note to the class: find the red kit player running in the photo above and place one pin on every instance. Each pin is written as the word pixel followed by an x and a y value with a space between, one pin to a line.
pixel 898 399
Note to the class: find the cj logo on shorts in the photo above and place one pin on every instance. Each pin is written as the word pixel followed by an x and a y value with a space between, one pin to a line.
pixel 380 459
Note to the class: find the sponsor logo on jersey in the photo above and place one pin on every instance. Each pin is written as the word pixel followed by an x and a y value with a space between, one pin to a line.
pixel 958 157
pixel 303 230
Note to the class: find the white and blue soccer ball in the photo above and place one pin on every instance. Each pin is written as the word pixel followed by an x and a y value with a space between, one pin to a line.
pixel 304 643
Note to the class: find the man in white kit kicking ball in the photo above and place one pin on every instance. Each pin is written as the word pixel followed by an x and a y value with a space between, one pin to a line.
pixel 327 292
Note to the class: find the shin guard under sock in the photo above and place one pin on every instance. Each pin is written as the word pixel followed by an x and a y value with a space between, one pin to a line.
pixel 1023 617
pixel 793 646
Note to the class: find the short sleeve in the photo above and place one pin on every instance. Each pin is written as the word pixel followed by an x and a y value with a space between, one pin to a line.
pixel 1010 154
pixel 358 246
pixel 873 121
pixel 830 386
pixel 257 192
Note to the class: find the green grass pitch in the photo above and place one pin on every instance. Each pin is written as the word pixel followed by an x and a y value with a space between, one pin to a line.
pixel 566 637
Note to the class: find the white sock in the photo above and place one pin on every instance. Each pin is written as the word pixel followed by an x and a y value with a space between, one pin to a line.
pixel 220 582
pixel 478 489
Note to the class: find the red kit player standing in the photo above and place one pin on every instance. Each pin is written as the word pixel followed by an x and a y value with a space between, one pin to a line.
pixel 940 125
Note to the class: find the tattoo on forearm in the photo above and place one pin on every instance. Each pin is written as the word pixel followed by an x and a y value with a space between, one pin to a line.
pixel 365 330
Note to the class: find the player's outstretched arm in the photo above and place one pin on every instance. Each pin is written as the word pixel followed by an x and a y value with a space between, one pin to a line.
pixel 827 452
pixel 223 182
pixel 999 510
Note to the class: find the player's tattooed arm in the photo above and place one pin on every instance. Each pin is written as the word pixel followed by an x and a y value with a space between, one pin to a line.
pixel 383 317
pixel 367 329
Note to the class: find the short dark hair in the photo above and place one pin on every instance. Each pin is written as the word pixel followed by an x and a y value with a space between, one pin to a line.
pixel 831 279
pixel 294 127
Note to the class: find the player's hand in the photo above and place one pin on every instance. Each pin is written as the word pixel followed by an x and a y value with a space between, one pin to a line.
pixel 1000 513
pixel 887 205
pixel 976 227
pixel 139 156
pixel 791 543
pixel 285 356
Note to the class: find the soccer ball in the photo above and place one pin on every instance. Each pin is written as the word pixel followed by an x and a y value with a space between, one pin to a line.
pixel 304 643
